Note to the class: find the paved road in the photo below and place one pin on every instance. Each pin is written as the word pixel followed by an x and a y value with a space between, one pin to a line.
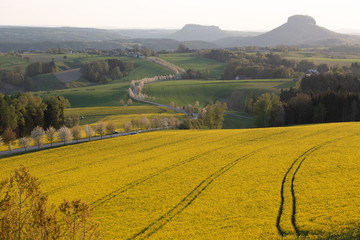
pixel 57 144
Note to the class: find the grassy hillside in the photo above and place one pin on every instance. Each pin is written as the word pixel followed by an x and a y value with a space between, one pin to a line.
pixel 190 61
pixel 221 184
pixel 7 62
pixel 318 58
pixel 183 92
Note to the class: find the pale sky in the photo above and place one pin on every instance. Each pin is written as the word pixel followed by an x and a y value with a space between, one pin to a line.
pixel 173 14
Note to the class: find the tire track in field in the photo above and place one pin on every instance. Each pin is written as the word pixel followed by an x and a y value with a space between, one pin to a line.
pixel 185 202
pixel 139 181
pixel 303 156
pixel 300 160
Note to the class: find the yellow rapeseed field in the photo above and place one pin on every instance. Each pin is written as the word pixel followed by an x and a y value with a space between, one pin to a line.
pixel 272 183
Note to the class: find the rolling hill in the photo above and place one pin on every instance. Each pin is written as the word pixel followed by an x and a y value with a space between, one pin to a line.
pixel 273 183
pixel 193 32
pixel 299 30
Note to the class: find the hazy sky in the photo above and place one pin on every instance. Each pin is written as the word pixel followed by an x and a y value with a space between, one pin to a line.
pixel 228 14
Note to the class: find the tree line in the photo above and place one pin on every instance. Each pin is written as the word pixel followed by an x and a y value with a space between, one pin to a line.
pixel 105 71
pixel 319 99
pixel 271 65
pixel 22 112
pixel 23 79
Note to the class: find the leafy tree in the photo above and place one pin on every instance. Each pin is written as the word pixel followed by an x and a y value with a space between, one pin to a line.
pixel 116 73
pixel 301 108
pixel 65 134
pixel 212 117
pixel 323 68
pixel 9 136
pixel 72 120
pixel 38 135
pixel 305 65
pixel 277 114
pixel 34 69
pixel 250 100
pixel 51 134
pixel 54 115
pixel 319 113
pixel 262 110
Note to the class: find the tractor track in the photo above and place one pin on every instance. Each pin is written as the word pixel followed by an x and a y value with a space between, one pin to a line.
pixel 139 181
pixel 185 202
pixel 303 156
pixel 300 160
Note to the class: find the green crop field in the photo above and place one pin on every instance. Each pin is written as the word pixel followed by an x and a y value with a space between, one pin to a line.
pixel 272 183
pixel 7 62
pixel 319 58
pixel 189 61
pixel 93 96
pixel 184 92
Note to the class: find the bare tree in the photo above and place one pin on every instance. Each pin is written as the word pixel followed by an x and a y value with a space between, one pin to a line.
pixel 9 136
pixel 110 128
pixel 127 127
pixel 38 135
pixel 173 105
pixel 164 123
pixel 155 122
pixel 100 128
pixel 145 122
pixel 189 109
pixel 89 132
pixel 65 134
pixel 173 122
pixel 26 214
pixel 129 102
pixel 24 142
pixel 76 132
pixel 122 102
pixel 51 134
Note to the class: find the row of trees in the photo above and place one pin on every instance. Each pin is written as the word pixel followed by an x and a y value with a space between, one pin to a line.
pixel 22 112
pixel 38 135
pixel 320 98
pixel 104 71
pixel 271 65
pixel 37 68
pixel 25 212
pixel 145 123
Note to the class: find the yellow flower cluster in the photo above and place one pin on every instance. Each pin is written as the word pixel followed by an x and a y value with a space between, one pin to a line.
pixel 267 183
